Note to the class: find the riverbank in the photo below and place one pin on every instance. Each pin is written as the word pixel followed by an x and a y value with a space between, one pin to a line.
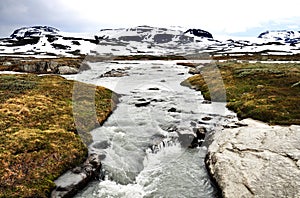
pixel 39 137
pixel 268 92
pixel 257 159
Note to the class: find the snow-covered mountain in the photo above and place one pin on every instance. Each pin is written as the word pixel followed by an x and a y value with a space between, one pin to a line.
pixel 49 41
pixel 292 37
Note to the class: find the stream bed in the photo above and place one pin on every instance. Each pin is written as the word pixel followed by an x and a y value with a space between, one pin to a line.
pixel 145 142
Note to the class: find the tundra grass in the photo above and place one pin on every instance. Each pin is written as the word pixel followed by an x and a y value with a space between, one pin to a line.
pixel 269 92
pixel 39 139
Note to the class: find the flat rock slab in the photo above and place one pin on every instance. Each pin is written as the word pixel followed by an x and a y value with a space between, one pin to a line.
pixel 257 160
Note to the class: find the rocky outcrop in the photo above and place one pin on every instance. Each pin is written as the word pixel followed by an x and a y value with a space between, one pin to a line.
pixel 72 181
pixel 256 161
pixel 199 33
pixel 44 66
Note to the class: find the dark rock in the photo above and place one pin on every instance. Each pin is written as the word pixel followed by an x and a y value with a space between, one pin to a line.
pixel 60 46
pixel 163 81
pixel 153 89
pixel 142 100
pixel 169 128
pixel 142 104
pixel 206 102
pixel 206 118
pixel 157 100
pixel 172 110
pixel 33 31
pixel 199 33
pixel 114 73
pixel 180 74
pixel 75 180
pixel 186 139
pixel 200 135
pixel 200 132
pixel 193 124
pixel 75 43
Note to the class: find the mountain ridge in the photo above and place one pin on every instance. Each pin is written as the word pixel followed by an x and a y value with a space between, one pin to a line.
pixel 50 41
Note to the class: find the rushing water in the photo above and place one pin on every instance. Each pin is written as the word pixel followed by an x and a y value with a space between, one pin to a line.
pixel 132 169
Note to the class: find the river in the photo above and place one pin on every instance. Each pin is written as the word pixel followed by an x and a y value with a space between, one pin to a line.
pixel 154 109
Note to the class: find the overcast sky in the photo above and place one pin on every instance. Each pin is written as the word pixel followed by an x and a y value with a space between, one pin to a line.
pixel 221 17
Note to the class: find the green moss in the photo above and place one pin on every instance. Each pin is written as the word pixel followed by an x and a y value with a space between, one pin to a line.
pixel 39 138
pixel 266 92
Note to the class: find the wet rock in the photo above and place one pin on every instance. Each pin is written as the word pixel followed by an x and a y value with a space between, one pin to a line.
pixel 257 160
pixel 169 128
pixel 206 118
pixel 200 132
pixel 75 180
pixel 199 138
pixel 186 139
pixel 173 109
pixel 142 104
pixel 142 100
pixel 153 89
pixel 157 100
pixel 206 102
pixel 193 124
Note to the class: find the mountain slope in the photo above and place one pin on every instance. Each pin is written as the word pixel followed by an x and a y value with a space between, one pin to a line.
pixel 145 40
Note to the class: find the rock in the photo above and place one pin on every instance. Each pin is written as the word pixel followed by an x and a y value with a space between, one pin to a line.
pixel 173 109
pixel 65 70
pixel 169 128
pixel 194 70
pixel 72 181
pixel 199 138
pixel 206 118
pixel 206 102
pixel 200 132
pixel 84 66
pixel 199 33
pixel 186 139
pixel 153 89
pixel 186 64
pixel 256 161
pixel 115 73
pixel 142 104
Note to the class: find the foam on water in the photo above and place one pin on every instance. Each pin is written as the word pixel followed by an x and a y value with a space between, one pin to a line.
pixel 132 170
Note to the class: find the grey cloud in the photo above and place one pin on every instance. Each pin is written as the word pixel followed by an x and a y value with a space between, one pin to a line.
pixel 19 13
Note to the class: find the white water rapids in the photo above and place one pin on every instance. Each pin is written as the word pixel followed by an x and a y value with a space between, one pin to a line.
pixel 132 171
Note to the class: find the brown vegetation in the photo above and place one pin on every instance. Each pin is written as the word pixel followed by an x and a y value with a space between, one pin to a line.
pixel 266 92
pixel 39 138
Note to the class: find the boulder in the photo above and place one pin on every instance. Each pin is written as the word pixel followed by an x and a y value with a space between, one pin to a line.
pixel 75 180
pixel 257 160
pixel 64 70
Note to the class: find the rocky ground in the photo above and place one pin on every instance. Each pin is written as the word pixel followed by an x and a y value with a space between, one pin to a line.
pixel 257 160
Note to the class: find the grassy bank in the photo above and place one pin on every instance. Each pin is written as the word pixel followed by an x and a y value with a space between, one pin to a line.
pixel 266 92
pixel 38 138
